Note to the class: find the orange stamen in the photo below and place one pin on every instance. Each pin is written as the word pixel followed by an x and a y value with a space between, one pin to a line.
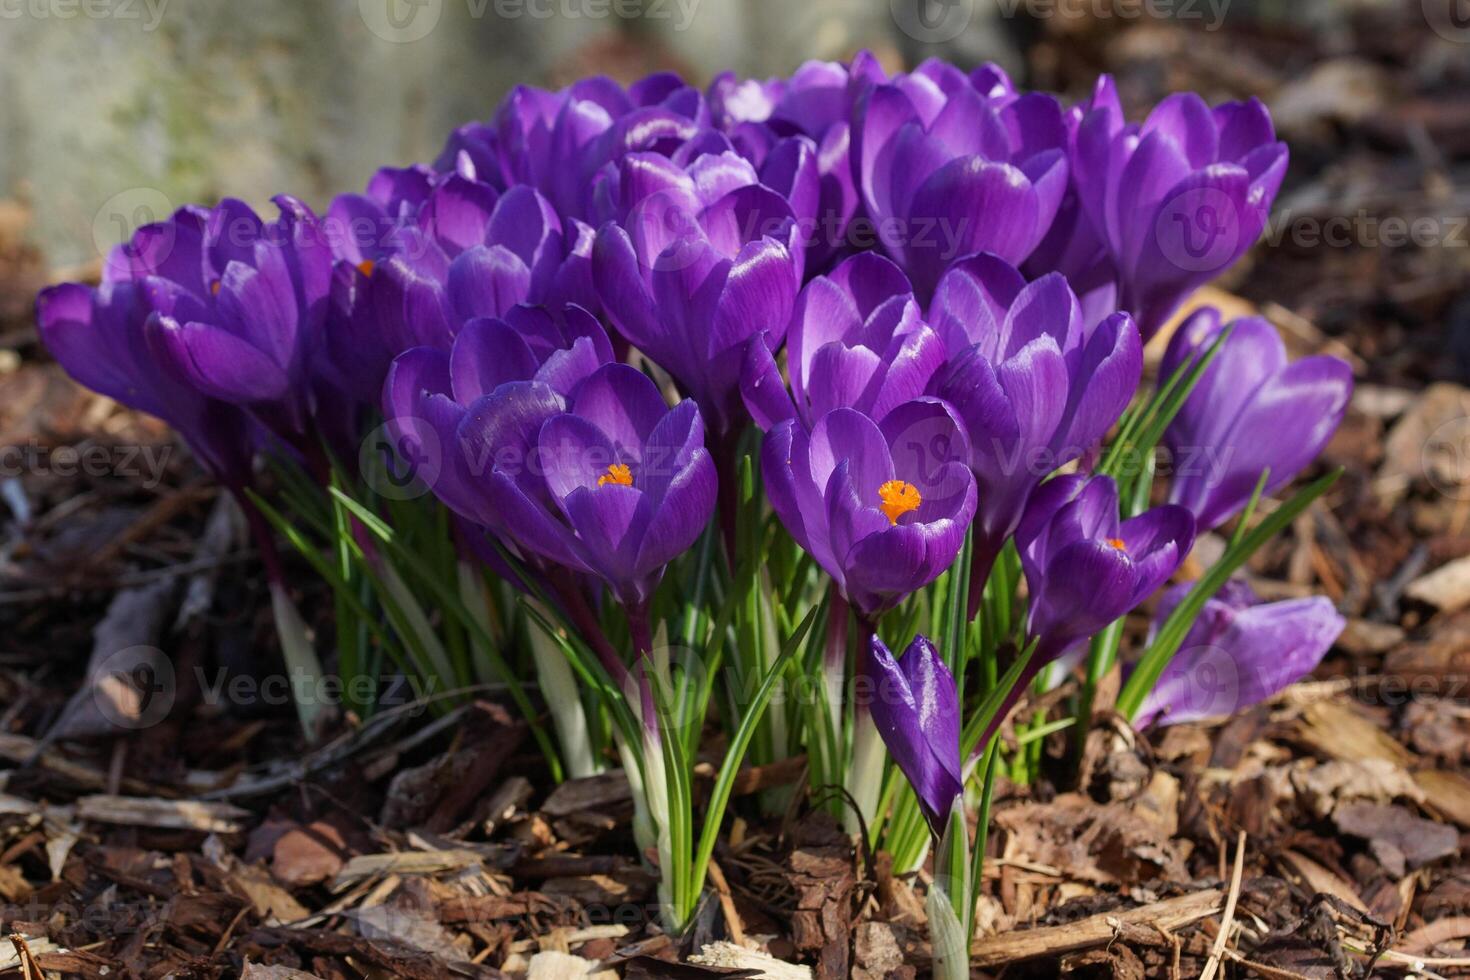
pixel 617 473
pixel 366 267
pixel 1118 544
pixel 898 499
pixel 214 288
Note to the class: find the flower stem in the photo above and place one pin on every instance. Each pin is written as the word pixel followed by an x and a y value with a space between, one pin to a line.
pixel 865 772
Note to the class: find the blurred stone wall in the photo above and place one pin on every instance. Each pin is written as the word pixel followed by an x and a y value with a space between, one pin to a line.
pixel 117 110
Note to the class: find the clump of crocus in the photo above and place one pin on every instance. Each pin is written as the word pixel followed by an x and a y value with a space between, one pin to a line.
pixel 1252 412
pixel 1035 385
pixel 949 165
pixel 1239 652
pixel 1178 199
pixel 243 321
pixel 857 340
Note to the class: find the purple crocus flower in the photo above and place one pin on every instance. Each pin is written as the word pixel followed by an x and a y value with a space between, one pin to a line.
pixel 475 252
pixel 1035 384
pixel 761 119
pixel 857 339
pixel 949 165
pixel 915 706
pixel 110 339
pixel 1251 411
pixel 1239 652
pixel 1177 199
pixel 1072 246
pixel 703 259
pixel 1085 567
pixel 243 324
pixel 560 142
pixel 610 481
pixel 882 507
pixel 428 391
pixel 364 231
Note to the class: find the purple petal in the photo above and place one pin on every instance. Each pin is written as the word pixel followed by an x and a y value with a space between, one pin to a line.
pixel 916 710
pixel 623 403
pixel 971 205
pixel 762 388
pixel 487 354
pixel 487 281
pixel 1259 652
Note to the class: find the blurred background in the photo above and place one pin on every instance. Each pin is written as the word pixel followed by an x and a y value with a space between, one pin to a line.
pixel 117 111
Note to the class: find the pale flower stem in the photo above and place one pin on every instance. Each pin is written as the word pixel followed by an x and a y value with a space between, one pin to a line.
pixel 473 595
pixel 302 663
pixel 865 775
pixel 559 690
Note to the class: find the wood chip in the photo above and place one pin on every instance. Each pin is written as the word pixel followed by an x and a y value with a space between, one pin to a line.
pixel 1319 879
pixel 740 958
pixel 1447 793
pixel 135 811
pixel 1096 930
pixel 366 866
pixel 1447 588
pixel 1336 731
pixel 565 966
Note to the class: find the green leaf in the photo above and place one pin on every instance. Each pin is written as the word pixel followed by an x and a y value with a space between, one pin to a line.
pixel 448 598
pixel 730 767
pixel 976 724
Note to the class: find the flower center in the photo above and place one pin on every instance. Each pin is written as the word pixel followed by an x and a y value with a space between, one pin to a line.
pixel 616 473
pixel 1118 544
pixel 898 498
pixel 366 267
